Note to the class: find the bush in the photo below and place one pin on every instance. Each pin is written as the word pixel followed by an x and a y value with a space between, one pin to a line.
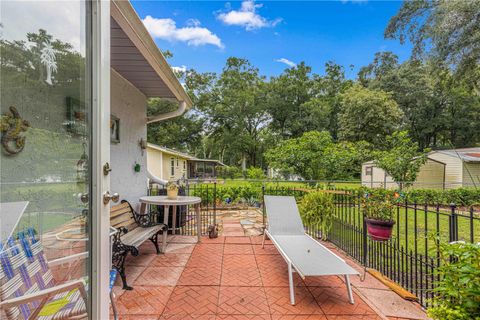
pixel 229 172
pixel 317 209
pixel 458 290
pixel 460 196
pixel 255 173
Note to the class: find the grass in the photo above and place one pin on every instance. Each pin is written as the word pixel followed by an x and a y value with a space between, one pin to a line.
pixel 418 229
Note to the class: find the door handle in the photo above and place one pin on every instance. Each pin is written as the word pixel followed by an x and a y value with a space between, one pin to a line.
pixel 107 197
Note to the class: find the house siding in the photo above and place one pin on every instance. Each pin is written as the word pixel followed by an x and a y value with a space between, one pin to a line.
pixel 471 174
pixel 430 175
pixel 378 179
pixel 453 169
pixel 129 105
pixel 159 164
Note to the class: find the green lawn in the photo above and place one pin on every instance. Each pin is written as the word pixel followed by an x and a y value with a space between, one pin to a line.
pixel 418 228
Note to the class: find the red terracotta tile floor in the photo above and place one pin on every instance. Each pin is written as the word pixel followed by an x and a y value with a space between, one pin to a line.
pixel 229 278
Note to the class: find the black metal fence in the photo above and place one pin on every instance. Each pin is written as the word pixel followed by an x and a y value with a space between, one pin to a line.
pixel 409 258
pixel 412 255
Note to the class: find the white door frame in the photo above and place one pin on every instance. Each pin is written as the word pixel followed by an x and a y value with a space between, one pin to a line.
pixel 100 245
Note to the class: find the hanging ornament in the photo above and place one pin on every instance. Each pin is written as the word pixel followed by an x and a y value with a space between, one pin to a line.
pixel 48 59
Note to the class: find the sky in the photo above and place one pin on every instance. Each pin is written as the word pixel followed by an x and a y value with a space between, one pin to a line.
pixel 272 35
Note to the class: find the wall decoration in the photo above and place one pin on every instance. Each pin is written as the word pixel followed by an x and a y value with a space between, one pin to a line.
pixel 11 127
pixel 114 129
pixel 48 59
pixel 76 118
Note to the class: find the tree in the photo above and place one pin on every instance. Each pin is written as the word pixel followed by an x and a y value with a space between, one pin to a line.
pixel 343 160
pixel 183 133
pixel 287 95
pixel 367 115
pixel 402 159
pixel 448 31
pixel 234 108
pixel 303 156
pixel 327 90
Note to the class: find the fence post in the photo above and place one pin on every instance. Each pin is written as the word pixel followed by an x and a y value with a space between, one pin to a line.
pixel 472 238
pixel 215 203
pixel 453 226
pixel 365 241
pixel 263 204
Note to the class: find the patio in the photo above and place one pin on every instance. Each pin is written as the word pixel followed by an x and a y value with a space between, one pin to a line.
pixel 234 278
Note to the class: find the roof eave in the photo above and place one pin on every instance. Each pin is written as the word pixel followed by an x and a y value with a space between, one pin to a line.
pixel 128 19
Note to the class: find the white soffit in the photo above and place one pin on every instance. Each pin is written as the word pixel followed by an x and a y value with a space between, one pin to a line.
pixel 135 56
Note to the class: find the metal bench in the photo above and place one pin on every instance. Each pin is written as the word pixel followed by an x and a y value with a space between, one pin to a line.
pixel 133 230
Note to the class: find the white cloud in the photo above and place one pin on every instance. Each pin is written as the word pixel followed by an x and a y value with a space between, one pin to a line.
pixel 180 69
pixel 247 17
pixel 287 62
pixel 61 19
pixel 193 34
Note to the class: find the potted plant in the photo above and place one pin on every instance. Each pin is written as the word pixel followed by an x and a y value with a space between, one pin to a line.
pixel 378 213
pixel 172 190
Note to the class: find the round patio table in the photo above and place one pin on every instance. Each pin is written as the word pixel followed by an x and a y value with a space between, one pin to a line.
pixel 174 203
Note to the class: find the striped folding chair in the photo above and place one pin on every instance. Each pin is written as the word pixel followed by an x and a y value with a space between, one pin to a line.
pixel 27 286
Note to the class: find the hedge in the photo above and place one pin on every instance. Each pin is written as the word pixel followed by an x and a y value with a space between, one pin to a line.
pixel 459 197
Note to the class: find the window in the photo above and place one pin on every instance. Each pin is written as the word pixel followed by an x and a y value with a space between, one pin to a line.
pixel 184 165
pixel 172 167
pixel 368 171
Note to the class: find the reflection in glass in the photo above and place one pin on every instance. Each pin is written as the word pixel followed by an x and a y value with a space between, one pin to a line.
pixel 44 186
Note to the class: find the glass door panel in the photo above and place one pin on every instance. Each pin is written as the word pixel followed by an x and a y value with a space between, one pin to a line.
pixel 45 177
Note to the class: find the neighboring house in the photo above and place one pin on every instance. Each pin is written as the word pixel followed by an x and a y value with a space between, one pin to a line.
pixel 444 169
pixel 170 164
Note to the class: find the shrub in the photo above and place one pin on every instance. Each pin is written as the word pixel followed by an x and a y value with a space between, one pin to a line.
pixel 229 172
pixel 317 209
pixel 460 196
pixel 380 206
pixel 255 173
pixel 458 290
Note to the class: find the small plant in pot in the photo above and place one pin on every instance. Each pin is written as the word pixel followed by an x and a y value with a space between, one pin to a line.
pixel 172 190
pixel 378 212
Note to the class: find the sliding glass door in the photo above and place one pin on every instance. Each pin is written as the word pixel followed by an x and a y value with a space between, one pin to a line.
pixel 45 153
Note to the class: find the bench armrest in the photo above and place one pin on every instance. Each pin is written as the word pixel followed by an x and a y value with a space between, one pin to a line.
pixel 145 220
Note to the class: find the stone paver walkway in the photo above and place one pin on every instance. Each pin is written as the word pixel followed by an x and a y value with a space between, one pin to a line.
pixel 229 278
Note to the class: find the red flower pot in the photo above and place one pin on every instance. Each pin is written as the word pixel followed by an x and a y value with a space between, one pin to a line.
pixel 379 230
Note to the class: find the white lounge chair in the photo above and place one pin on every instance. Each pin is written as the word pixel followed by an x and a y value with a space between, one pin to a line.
pixel 303 254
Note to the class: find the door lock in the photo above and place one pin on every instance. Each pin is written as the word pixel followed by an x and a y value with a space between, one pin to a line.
pixel 84 197
pixel 107 197
pixel 106 169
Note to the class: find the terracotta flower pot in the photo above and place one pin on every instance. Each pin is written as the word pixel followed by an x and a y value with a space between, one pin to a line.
pixel 379 230
pixel 172 194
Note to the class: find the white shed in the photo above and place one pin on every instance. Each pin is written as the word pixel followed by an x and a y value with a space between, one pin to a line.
pixel 445 169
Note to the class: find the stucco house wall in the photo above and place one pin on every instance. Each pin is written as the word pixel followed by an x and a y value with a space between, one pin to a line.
pixel 129 105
